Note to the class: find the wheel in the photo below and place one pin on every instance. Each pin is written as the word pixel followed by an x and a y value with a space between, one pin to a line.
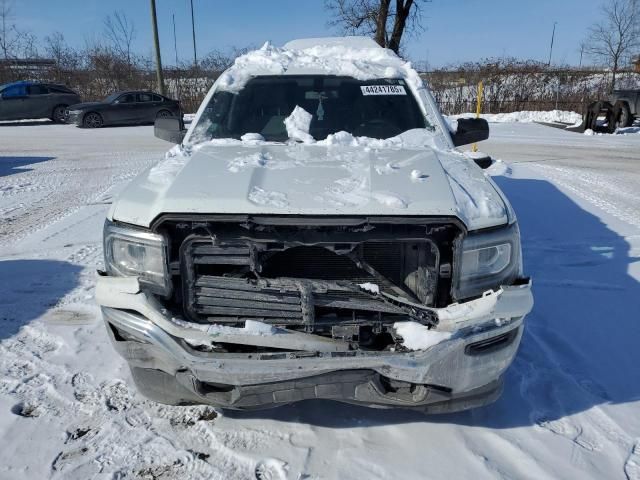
pixel 59 113
pixel 622 114
pixel 92 120
pixel 164 114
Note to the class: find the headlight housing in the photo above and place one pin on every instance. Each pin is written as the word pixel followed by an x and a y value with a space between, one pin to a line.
pixel 130 252
pixel 488 260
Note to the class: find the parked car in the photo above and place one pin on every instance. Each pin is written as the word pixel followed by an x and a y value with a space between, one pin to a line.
pixel 31 100
pixel 124 108
pixel 316 235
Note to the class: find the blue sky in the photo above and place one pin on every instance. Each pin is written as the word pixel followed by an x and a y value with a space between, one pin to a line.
pixel 456 30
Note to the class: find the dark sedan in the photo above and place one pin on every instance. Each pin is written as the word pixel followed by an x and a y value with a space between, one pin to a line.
pixel 30 100
pixel 124 108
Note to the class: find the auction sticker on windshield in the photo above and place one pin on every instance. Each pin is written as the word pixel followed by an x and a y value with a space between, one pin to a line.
pixel 383 90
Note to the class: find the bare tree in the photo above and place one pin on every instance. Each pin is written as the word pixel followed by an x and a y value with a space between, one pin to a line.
pixel 9 36
pixel 384 20
pixel 616 37
pixel 120 32
pixel 67 60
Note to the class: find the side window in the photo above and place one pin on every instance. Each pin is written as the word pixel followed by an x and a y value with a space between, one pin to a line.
pixel 128 98
pixel 145 97
pixel 61 90
pixel 158 98
pixel 38 90
pixel 15 91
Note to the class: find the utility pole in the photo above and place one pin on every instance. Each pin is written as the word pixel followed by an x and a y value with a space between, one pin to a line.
pixel 581 52
pixel 553 35
pixel 193 32
pixel 156 43
pixel 175 48
pixel 175 41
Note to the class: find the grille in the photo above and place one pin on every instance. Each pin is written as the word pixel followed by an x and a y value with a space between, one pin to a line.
pixel 283 301
pixel 300 285
pixel 231 300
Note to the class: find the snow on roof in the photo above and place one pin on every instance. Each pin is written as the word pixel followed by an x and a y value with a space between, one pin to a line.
pixel 346 42
pixel 356 57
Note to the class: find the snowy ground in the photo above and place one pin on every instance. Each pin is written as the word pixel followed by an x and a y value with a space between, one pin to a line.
pixel 571 406
pixel 561 116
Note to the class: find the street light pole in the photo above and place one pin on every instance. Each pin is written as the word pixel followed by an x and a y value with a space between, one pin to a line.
pixel 156 43
pixel 175 40
pixel 553 34
pixel 193 31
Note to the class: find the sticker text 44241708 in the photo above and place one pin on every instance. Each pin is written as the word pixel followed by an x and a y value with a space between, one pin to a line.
pixel 383 90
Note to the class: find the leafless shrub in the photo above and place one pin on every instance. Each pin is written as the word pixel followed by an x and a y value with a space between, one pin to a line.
pixel 614 39
pixel 513 85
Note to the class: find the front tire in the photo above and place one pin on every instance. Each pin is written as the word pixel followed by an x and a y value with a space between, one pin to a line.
pixel 622 114
pixel 164 114
pixel 92 120
pixel 59 113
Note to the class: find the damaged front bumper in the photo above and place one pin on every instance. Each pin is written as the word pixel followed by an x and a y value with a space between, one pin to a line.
pixel 463 371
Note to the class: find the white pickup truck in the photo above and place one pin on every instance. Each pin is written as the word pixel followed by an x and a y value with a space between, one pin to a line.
pixel 316 235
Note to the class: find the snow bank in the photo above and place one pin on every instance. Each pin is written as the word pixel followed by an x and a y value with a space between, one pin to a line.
pixel 327 58
pixel 416 336
pixel 552 116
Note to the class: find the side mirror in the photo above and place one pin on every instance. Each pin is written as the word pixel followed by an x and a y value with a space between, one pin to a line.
pixel 470 130
pixel 170 129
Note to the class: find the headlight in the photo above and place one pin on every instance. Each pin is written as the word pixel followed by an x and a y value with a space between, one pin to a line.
pixel 488 260
pixel 136 253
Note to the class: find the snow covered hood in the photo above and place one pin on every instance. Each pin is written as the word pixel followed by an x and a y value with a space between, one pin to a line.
pixel 296 179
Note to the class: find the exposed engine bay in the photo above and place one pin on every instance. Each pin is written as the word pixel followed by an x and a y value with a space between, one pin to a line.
pixel 349 279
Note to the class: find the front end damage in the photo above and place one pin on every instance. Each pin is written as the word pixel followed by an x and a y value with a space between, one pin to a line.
pixel 265 311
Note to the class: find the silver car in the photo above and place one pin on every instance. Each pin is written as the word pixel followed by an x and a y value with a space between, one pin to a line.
pixel 316 235
pixel 31 100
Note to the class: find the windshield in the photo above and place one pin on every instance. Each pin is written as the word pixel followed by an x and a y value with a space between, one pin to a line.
pixel 372 108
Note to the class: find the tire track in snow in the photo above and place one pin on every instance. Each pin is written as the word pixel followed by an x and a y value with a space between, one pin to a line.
pixel 63 192
pixel 551 386
pixel 615 196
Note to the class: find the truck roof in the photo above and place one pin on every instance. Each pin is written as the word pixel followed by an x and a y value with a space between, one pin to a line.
pixel 352 42
pixel 357 57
